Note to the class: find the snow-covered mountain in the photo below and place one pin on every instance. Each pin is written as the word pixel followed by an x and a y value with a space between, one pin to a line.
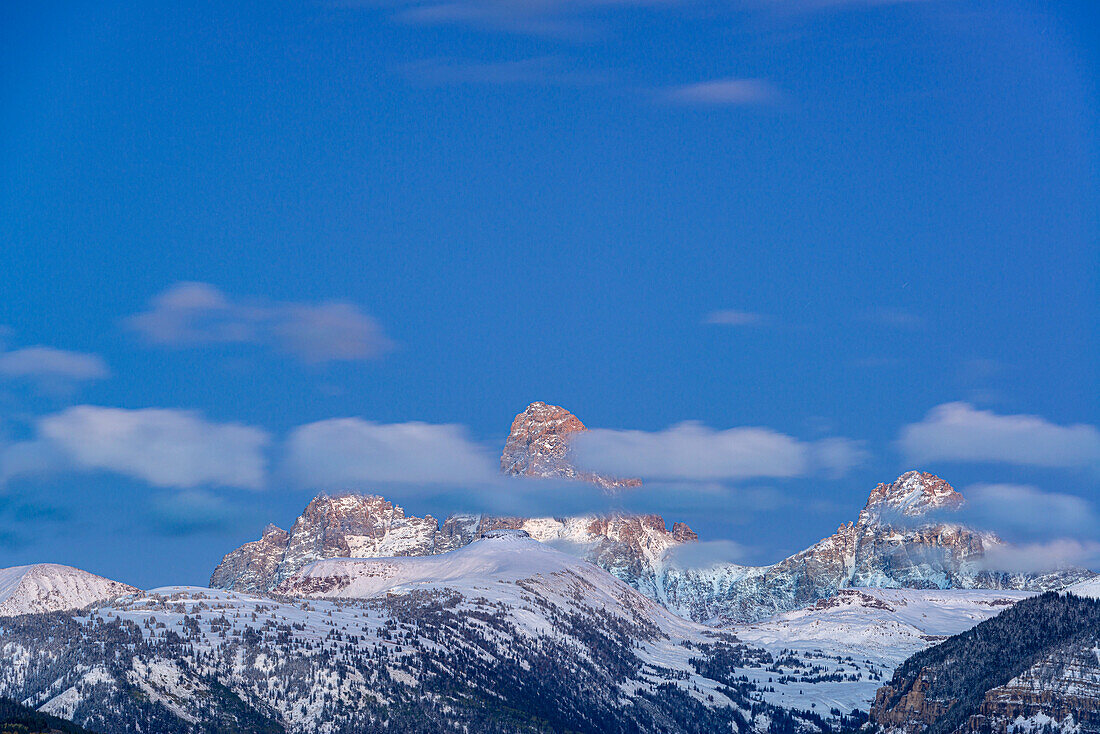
pixel 51 587
pixel 902 539
pixel 629 546
pixel 337 527
pixel 538 445
pixel 504 634
pixel 1089 588
pixel 874 630
pixel 1035 667
pixel 501 566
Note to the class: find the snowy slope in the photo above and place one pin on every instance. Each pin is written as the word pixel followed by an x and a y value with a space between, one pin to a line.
pixel 51 587
pixel 397 637
pixel 863 635
pixel 1089 588
pixel 504 566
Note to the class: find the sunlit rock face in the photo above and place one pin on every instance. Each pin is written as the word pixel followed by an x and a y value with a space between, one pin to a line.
pixel 630 547
pixel 903 538
pixel 345 526
pixel 538 445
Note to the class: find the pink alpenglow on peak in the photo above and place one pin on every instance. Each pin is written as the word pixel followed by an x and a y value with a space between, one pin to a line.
pixel 539 446
pixel 913 494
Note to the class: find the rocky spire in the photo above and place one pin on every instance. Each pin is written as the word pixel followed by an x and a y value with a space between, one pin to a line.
pixel 539 446
pixel 913 494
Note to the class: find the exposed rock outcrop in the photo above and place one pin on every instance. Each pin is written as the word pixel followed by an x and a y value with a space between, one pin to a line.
pixel 345 526
pixel 538 445
pixel 901 539
pixel 1034 667
pixel 354 526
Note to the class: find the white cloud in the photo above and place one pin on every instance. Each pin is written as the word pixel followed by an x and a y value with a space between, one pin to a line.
pixel 327 332
pixel 351 452
pixel 48 366
pixel 166 448
pixel 1026 509
pixel 961 432
pixel 1040 557
pixel 693 452
pixel 724 92
pixel 731 317
pixel 706 554
pixel 192 314
pixel 835 456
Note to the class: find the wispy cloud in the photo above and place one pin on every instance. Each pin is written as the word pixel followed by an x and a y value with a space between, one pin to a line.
pixel 1044 556
pixel 835 456
pixel 961 432
pixel 356 453
pixel 575 20
pixel 1027 510
pixel 724 92
pixel 691 451
pixel 706 554
pixel 193 314
pixel 733 317
pixel 166 448
pixel 568 19
pixel 52 369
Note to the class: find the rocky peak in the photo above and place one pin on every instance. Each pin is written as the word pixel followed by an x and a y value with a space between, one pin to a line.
pixel 538 442
pixel 913 494
pixel 274 534
pixel 681 533
pixel 538 445
pixel 341 526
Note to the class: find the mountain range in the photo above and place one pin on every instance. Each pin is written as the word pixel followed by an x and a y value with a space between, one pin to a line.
pixel 901 539
pixel 363 618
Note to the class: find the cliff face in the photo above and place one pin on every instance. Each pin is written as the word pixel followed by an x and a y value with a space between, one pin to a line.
pixel 1036 663
pixel 538 446
pixel 347 526
pixel 253 566
pixel 630 547
pixel 1063 688
pixel 899 540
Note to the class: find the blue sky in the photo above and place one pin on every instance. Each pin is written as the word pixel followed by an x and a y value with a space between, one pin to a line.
pixel 869 224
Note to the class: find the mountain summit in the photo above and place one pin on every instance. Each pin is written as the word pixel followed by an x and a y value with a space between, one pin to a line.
pixel 913 494
pixel 344 526
pixel 51 587
pixel 538 445
pixel 903 538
